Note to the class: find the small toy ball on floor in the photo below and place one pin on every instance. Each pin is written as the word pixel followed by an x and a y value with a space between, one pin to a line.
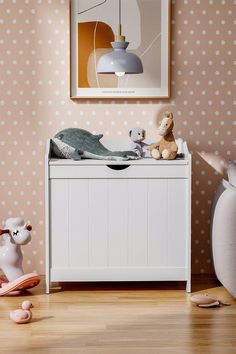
pixel 204 300
pixel 23 315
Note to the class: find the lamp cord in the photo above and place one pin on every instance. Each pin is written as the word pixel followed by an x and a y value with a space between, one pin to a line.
pixel 119 11
pixel 93 7
pixel 119 25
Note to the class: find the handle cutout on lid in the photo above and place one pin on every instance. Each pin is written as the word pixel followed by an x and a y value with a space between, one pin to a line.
pixel 118 167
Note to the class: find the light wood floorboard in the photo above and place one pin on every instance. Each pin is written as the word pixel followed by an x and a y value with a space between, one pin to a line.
pixel 120 318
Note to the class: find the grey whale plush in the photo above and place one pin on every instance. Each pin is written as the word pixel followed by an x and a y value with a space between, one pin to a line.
pixel 75 143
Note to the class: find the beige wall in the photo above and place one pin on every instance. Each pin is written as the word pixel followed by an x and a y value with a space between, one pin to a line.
pixel 34 104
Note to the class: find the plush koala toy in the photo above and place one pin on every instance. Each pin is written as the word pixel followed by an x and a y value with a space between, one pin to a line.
pixel 137 135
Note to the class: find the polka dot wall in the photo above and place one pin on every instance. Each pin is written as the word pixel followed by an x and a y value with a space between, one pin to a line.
pixel 34 104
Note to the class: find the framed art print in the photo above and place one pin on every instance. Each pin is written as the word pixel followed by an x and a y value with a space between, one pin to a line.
pixel 143 26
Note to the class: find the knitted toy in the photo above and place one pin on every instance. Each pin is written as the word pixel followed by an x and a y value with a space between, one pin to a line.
pixel 77 144
pixel 167 147
pixel 137 135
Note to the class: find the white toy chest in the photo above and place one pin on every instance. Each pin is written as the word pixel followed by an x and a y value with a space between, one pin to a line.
pixel 118 221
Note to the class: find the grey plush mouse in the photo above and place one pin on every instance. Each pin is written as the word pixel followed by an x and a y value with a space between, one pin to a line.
pixel 137 135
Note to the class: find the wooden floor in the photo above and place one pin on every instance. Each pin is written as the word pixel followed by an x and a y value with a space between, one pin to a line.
pixel 118 318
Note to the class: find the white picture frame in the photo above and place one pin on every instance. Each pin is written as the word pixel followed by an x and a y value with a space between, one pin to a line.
pixel 157 77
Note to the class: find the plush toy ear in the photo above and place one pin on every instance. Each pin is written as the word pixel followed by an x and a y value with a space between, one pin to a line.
pixel 168 115
pixel 130 132
pixel 28 227
pixel 2 232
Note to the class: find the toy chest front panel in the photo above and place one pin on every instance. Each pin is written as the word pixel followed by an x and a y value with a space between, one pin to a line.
pixel 107 224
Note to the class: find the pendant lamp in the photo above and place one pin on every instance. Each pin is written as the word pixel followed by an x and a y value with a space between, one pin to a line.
pixel 119 61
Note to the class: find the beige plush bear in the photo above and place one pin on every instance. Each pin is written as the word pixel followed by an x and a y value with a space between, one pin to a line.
pixel 167 147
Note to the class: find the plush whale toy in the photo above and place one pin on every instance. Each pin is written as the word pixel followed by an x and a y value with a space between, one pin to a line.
pixel 75 143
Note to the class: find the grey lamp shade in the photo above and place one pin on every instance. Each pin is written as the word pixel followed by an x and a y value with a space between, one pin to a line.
pixel 119 61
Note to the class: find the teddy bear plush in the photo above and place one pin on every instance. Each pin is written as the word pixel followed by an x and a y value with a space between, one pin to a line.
pixel 137 135
pixel 167 147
